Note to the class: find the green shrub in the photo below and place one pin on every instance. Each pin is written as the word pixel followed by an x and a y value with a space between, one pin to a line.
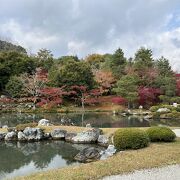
pixel 130 139
pixel 21 127
pixel 157 134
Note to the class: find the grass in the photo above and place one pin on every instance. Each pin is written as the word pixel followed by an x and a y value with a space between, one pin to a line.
pixel 156 155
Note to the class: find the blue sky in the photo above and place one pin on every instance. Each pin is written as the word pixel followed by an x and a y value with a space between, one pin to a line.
pixel 83 27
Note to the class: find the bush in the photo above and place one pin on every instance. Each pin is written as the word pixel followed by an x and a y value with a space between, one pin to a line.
pixel 130 139
pixel 157 134
pixel 21 127
pixel 14 87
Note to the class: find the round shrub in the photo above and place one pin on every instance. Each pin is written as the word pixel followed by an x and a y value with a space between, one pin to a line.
pixel 157 134
pixel 128 138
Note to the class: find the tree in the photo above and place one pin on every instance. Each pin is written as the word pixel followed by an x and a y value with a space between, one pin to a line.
pixel 164 67
pixel 45 58
pixel 178 84
pixel 84 96
pixel 14 63
pixel 148 96
pixel 32 84
pixel 167 85
pixel 143 59
pixel 71 73
pixel 50 97
pixel 95 60
pixel 105 80
pixel 127 87
pixel 14 87
pixel 115 63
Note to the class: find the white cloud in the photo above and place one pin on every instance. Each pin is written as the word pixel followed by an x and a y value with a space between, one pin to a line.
pixel 85 26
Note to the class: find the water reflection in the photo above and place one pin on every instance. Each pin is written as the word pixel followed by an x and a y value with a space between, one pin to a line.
pixel 95 119
pixel 24 158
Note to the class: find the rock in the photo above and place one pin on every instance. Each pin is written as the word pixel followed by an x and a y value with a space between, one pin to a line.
pixel 163 110
pixel 21 136
pixel 11 136
pixel 58 134
pixel 44 122
pixel 148 117
pixel 33 134
pixel 89 136
pixel 5 127
pixel 175 105
pixel 2 136
pixel 47 135
pixel 108 152
pixel 69 136
pixel 88 125
pixel 88 155
pixel 103 140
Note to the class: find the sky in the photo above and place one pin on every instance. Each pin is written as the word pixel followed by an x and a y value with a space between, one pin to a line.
pixel 82 27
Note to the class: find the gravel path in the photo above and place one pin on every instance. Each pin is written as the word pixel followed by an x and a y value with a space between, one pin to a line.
pixel 166 173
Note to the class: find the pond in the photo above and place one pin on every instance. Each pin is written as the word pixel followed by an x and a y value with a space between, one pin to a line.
pixel 100 120
pixel 95 119
pixel 19 159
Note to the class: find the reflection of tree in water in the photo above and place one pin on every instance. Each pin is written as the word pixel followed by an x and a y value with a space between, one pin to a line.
pixel 15 155
pixel 95 119
pixel 11 158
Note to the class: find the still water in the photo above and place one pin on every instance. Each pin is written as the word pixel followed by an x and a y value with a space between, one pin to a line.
pixel 18 159
pixel 100 120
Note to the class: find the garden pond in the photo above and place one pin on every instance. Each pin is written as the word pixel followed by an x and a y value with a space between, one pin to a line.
pixel 17 158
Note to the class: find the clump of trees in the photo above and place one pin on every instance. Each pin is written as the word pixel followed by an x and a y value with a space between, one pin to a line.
pixel 141 80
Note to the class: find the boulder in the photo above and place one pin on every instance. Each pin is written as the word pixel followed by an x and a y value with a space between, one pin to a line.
pixel 5 127
pixel 58 134
pixel 108 152
pixel 33 134
pixel 44 122
pixel 21 136
pixel 103 140
pixel 89 136
pixel 88 155
pixel 161 110
pixel 69 136
pixel 11 136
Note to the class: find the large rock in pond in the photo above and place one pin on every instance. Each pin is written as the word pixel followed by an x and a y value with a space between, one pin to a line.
pixel 44 122
pixel 103 140
pixel 21 136
pixel 89 136
pixel 88 155
pixel 11 136
pixel 69 136
pixel 58 134
pixel 32 134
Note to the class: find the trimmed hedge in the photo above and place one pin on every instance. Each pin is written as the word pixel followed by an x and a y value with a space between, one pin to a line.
pixel 158 134
pixel 21 127
pixel 128 138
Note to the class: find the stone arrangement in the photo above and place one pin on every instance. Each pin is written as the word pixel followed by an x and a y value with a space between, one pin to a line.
pixel 90 136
